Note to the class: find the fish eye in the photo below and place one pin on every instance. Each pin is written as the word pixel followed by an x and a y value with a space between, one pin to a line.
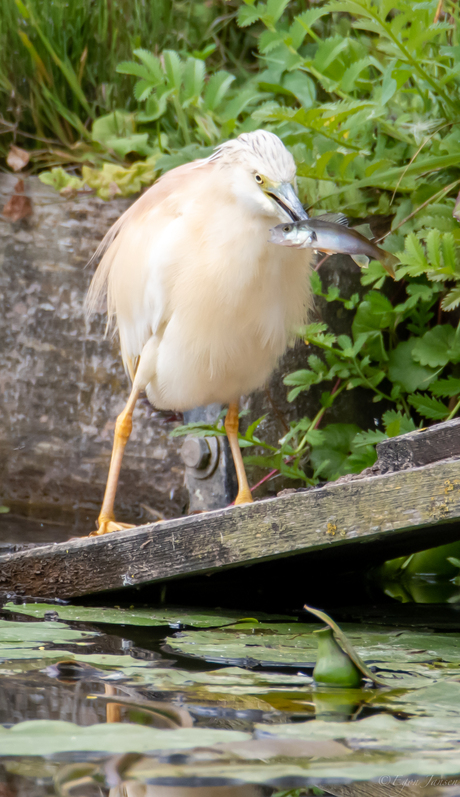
pixel 258 179
pixel 287 228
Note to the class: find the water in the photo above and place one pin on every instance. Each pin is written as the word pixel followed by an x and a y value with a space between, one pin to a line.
pixel 137 700
pixel 91 708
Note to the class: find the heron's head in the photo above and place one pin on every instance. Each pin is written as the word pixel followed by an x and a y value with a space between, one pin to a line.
pixel 262 174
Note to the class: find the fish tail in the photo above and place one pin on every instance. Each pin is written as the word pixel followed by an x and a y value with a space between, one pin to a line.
pixel 388 262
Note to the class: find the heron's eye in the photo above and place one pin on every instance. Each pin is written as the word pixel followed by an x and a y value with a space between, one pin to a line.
pixel 259 179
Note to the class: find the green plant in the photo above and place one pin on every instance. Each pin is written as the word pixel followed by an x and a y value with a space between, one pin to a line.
pixel 58 61
pixel 366 95
pixel 183 111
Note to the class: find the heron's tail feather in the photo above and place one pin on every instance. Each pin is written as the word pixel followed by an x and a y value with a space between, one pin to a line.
pixel 98 298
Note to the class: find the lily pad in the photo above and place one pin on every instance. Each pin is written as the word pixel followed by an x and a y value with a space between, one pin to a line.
pixel 294 645
pixel 197 618
pixel 35 635
pixel 45 737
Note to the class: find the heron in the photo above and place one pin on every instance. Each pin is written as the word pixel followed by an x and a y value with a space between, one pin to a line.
pixel 204 305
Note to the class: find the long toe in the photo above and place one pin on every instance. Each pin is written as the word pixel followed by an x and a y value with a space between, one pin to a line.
pixel 107 526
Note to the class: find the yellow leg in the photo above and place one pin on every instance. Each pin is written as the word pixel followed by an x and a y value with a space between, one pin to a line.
pixel 106 521
pixel 231 427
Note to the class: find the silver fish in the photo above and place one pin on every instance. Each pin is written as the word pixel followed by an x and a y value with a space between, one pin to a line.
pixel 323 234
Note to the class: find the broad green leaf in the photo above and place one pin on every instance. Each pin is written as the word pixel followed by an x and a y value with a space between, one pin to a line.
pixel 203 618
pixel 119 124
pixel 334 449
pixel 433 348
pixel 302 87
pixel 374 313
pixel 294 644
pixel 46 737
pixel 405 371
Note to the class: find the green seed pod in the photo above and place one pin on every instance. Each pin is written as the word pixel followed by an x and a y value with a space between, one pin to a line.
pixel 333 666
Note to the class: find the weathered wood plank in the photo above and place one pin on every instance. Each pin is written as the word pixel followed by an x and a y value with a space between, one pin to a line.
pixel 357 512
pixel 422 447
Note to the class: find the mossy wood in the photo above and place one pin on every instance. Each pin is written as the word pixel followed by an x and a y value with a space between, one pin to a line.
pixel 421 447
pixel 391 514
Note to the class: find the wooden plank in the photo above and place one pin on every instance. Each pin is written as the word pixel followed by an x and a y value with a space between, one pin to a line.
pixel 366 510
pixel 421 447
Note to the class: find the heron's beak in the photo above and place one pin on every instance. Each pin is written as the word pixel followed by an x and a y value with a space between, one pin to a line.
pixel 285 196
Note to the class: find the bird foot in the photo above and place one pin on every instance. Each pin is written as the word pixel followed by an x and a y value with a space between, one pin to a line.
pixel 107 526
pixel 244 497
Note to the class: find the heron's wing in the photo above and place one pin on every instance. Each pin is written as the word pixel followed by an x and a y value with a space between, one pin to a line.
pixel 136 253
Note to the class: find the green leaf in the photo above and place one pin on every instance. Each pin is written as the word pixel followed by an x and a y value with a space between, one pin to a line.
pixel 142 90
pixel 447 388
pixel 345 645
pixel 363 439
pixel 275 8
pixel 204 618
pixel 302 87
pixel 429 407
pixel 316 284
pixel 133 68
pixel 334 449
pixel 155 107
pixel 405 371
pixel 374 313
pixel 113 125
pixel 194 74
pixel 59 179
pixel 452 300
pixel 50 737
pixel 433 348
pixel 152 63
pixel 173 69
pixel 247 15
pixel 396 423
pixel 217 88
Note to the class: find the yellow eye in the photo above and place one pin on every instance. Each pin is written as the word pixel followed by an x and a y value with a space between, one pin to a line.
pixel 259 179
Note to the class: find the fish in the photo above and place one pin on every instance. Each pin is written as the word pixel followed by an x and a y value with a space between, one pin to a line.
pixel 330 234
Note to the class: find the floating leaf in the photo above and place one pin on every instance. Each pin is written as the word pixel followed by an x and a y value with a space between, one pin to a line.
pixel 204 618
pixel 46 737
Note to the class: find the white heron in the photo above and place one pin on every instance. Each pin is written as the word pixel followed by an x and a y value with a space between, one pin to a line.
pixel 204 304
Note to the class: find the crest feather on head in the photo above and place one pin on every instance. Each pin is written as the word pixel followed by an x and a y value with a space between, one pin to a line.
pixel 260 151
